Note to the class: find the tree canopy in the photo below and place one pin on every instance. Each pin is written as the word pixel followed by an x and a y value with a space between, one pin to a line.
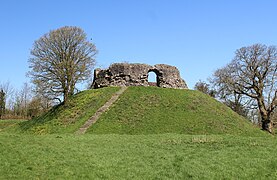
pixel 59 60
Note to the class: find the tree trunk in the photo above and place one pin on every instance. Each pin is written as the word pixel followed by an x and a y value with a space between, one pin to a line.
pixel 65 96
pixel 267 125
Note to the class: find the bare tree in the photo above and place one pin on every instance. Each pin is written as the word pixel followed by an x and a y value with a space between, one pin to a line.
pixel 205 88
pixel 25 96
pixel 202 87
pixel 239 103
pixel 7 91
pixel 61 59
pixel 2 103
pixel 37 106
pixel 253 74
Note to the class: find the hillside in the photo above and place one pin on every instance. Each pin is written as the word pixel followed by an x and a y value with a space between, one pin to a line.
pixel 153 110
pixel 67 118
pixel 142 110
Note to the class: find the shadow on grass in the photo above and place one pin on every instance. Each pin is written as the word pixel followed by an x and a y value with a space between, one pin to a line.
pixel 46 117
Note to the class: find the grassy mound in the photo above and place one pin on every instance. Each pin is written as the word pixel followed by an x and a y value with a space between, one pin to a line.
pixel 152 110
pixel 141 110
pixel 68 118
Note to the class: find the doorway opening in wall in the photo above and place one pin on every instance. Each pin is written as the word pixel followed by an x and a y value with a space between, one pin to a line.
pixel 153 79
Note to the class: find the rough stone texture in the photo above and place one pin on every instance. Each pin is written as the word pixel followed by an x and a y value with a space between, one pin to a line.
pixel 124 74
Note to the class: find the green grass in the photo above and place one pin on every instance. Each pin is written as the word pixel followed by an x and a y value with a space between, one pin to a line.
pixel 160 156
pixel 152 110
pixel 141 110
pixel 67 118
pixel 6 123
pixel 149 133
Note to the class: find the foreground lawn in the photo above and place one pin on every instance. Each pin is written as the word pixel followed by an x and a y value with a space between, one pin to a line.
pixel 167 156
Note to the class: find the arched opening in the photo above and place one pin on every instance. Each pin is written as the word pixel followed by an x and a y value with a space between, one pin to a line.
pixel 153 78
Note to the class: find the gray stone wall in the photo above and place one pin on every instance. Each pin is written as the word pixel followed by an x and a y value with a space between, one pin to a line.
pixel 124 74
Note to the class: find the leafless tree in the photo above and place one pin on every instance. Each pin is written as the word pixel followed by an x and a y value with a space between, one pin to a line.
pixel 202 87
pixel 37 106
pixel 253 74
pixel 7 91
pixel 239 103
pixel 205 88
pixel 61 59
pixel 25 96
pixel 2 103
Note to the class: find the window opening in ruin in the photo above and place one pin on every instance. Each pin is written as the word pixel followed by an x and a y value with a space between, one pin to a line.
pixel 152 79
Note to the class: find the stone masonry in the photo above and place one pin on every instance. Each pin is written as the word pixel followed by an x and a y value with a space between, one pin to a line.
pixel 125 74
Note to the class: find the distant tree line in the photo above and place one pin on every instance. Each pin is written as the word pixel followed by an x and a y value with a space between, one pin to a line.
pixel 248 84
pixel 21 104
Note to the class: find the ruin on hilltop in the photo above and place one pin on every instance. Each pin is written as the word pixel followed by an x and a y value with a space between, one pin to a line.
pixel 125 74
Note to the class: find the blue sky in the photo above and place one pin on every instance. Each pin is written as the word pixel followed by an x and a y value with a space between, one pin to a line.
pixel 197 36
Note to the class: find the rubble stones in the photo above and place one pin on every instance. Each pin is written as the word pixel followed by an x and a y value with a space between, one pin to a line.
pixel 125 74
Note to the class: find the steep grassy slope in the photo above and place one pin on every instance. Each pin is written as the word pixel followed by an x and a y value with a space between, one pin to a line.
pixel 68 118
pixel 152 110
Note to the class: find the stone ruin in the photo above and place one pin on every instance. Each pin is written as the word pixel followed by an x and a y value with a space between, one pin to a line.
pixel 125 74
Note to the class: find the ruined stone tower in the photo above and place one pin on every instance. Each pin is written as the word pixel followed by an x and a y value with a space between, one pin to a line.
pixel 124 74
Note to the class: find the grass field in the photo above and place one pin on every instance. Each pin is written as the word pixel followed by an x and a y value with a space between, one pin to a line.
pixel 164 156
